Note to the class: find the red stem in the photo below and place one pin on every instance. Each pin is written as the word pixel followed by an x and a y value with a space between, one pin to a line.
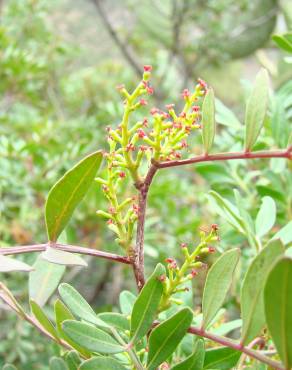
pixel 227 156
pixel 65 248
pixel 237 346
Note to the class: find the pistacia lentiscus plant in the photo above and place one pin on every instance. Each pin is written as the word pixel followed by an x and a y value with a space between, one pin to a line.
pixel 159 328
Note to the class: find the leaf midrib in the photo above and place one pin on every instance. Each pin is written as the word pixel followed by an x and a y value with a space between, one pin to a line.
pixel 166 339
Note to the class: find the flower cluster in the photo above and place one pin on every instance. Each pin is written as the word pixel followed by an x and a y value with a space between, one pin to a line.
pixel 161 137
pixel 178 276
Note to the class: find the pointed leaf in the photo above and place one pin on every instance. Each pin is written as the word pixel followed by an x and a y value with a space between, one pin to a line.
pixel 208 120
pixel 62 258
pixel 266 216
pixel 195 361
pixel 101 363
pixel 67 193
pixel 78 304
pixel 146 305
pixel 217 284
pixel 223 358
pixel 43 319
pixel 166 337
pixel 8 264
pixel 91 338
pixel 256 109
pixel 278 308
pixel 44 280
pixel 252 295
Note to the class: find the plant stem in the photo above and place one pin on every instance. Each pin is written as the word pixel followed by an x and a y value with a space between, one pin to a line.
pixel 138 262
pixel 227 156
pixel 237 346
pixel 65 248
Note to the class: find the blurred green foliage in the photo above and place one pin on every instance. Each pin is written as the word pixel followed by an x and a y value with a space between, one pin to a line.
pixel 55 107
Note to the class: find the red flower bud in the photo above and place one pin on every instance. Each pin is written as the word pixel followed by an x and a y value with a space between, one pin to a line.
pixel 183 245
pixel 186 93
pixel 122 174
pixel 143 102
pixel 211 249
pixel 169 106
pixel 147 68
pixel 154 111
pixel 169 260
pixel 141 133
pixel 145 122
pixel 194 273
pixel 195 108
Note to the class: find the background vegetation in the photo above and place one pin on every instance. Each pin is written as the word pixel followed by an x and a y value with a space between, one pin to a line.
pixel 59 64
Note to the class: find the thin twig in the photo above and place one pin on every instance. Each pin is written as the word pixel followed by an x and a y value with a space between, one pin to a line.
pixel 138 264
pixel 227 156
pixel 65 248
pixel 123 47
pixel 237 346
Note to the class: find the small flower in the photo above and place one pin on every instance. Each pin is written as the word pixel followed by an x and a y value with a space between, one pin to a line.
pixel 195 108
pixel 211 249
pixel 112 210
pixel 214 227
pixel 183 245
pixel 169 106
pixel 143 148
pixel 143 102
pixel 110 222
pixel 130 147
pixel 122 174
pixel 184 144
pixel 120 87
pixel 162 278
pixel 147 68
pixel 154 111
pixel 186 93
pixel 169 260
pixel 145 122
pixel 141 133
pixel 194 272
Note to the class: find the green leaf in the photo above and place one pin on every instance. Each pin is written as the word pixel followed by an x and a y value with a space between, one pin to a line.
pixel 217 284
pixel 195 361
pixel 115 320
pixel 72 360
pixel 57 363
pixel 77 304
pixel 252 295
pixel 285 234
pixel 43 319
pixel 8 264
pixel 266 216
pixel 127 300
pixel 223 358
pixel 208 120
pixel 278 308
pixel 67 193
pixel 146 305
pixel 62 258
pixel 91 338
pixel 283 42
pixel 256 109
pixel 62 314
pixel 101 363
pixel 166 337
pixel 44 280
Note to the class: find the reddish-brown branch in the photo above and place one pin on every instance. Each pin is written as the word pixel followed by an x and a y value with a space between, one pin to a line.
pixel 65 248
pixel 138 263
pixel 227 156
pixel 237 346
